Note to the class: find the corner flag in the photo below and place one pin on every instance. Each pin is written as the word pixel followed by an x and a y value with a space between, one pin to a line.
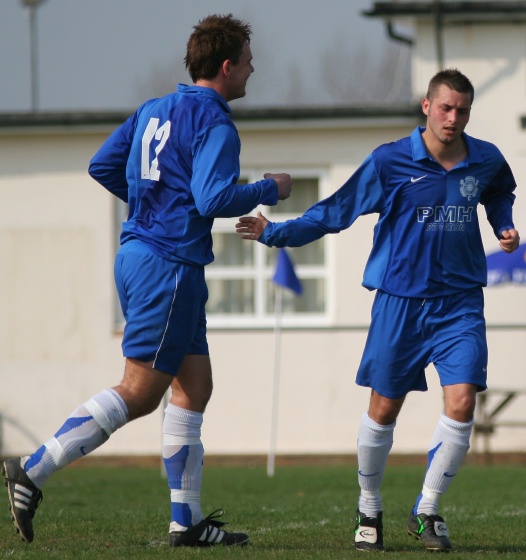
pixel 285 275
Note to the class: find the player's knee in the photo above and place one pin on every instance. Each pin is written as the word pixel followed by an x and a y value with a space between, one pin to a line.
pixel 383 410
pixel 141 406
pixel 461 408
pixel 195 400
pixel 461 412
pixel 139 403
pixel 460 403
pixel 199 401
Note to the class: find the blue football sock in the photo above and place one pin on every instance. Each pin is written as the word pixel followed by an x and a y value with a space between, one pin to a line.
pixel 183 458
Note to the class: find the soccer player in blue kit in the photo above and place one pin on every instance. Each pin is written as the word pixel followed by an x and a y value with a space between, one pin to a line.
pixel 428 267
pixel 176 162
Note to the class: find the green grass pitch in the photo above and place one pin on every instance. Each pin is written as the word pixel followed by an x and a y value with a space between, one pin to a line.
pixel 303 512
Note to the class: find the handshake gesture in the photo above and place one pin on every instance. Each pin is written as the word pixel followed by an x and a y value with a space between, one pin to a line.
pixel 252 228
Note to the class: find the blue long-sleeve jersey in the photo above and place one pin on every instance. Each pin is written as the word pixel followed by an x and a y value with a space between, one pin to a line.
pixel 176 162
pixel 427 240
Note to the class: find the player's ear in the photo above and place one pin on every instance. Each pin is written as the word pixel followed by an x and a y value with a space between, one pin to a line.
pixel 225 67
pixel 425 106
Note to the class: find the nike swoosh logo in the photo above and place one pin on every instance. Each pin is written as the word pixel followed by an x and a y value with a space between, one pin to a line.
pixel 446 474
pixel 413 180
pixel 363 474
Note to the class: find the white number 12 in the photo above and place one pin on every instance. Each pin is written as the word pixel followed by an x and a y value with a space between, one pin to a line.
pixel 153 131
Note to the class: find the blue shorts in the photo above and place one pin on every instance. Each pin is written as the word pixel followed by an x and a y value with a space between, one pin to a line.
pixel 408 334
pixel 163 303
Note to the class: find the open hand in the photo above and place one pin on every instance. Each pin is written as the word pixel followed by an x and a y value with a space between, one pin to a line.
pixel 251 228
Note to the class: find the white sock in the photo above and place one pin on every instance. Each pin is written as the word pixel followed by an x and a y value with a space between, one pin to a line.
pixel 183 458
pixel 374 444
pixel 88 427
pixel 449 447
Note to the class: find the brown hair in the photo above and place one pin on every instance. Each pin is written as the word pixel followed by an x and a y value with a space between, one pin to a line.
pixel 453 79
pixel 215 39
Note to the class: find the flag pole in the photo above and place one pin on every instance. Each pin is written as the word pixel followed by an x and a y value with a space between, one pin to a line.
pixel 275 386
pixel 284 276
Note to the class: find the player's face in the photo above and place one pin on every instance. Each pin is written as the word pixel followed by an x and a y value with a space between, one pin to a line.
pixel 447 114
pixel 239 74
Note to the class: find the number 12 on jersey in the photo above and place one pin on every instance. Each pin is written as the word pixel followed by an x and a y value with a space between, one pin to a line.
pixel 153 132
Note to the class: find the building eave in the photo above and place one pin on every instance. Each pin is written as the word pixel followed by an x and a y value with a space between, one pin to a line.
pixel 61 118
pixel 453 12
pixel 29 122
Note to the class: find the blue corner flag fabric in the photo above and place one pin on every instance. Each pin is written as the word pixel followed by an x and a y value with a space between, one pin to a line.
pixel 285 275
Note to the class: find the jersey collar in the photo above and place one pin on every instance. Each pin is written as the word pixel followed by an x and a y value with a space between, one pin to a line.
pixel 419 149
pixel 200 90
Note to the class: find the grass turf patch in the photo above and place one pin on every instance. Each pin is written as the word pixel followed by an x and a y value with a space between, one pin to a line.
pixel 303 512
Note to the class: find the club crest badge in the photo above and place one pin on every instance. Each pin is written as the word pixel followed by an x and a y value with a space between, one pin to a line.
pixel 469 187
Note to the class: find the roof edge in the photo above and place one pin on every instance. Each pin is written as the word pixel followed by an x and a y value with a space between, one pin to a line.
pixel 91 118
pixel 469 10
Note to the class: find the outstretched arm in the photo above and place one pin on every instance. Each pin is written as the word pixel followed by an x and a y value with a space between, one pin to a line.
pixel 361 194
pixel 251 228
pixel 509 240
